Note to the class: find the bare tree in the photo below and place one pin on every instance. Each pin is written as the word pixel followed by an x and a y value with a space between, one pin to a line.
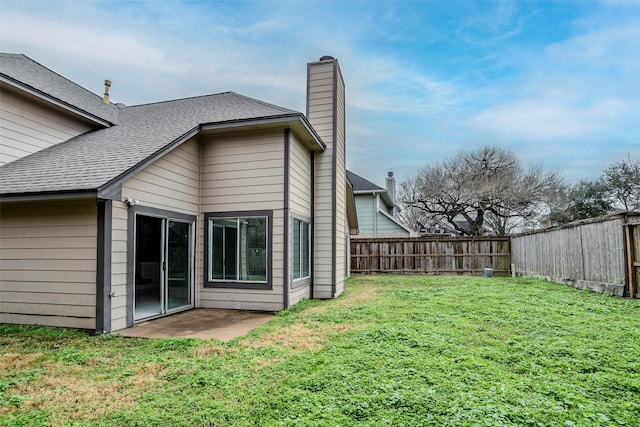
pixel 410 217
pixel 476 184
pixel 622 182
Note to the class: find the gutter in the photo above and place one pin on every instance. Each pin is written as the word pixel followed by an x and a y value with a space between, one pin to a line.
pixel 49 195
pixel 296 121
pixel 55 101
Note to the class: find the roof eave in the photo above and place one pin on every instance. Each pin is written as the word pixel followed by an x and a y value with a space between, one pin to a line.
pixel 352 212
pixel 113 188
pixel 49 195
pixel 297 122
pixel 392 218
pixel 55 101
pixel 380 191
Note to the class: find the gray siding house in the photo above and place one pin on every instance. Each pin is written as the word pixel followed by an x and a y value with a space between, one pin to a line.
pixel 113 214
pixel 375 208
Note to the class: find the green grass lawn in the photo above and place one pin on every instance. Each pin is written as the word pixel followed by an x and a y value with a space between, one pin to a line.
pixel 394 350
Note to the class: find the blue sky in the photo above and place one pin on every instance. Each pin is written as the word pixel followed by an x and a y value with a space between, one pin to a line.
pixel 556 82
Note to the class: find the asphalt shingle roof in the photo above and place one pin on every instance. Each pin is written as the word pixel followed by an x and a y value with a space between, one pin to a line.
pixel 25 70
pixel 360 184
pixel 94 159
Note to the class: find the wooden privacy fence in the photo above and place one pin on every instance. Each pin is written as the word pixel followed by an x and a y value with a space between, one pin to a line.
pixel 429 256
pixel 602 254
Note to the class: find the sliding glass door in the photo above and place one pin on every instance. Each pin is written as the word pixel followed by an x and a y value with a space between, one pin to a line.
pixel 163 266
pixel 179 264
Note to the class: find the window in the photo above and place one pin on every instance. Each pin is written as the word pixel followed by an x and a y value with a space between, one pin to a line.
pixel 238 249
pixel 301 249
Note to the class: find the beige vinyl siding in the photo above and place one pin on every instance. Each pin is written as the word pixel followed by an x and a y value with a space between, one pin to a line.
pixel 300 179
pixel 298 294
pixel 320 114
pixel 170 183
pixel 326 91
pixel 342 228
pixel 119 265
pixel 300 204
pixel 243 172
pixel 48 263
pixel 29 125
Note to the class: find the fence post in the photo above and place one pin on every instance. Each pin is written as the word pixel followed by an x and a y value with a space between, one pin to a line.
pixel 631 262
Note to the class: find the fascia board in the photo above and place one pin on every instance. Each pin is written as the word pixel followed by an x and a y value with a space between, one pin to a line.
pixel 114 186
pixel 393 219
pixel 374 192
pixel 59 195
pixel 352 212
pixel 297 122
pixel 111 189
pixel 383 194
pixel 55 101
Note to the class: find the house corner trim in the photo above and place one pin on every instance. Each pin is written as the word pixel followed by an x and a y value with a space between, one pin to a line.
pixel 103 267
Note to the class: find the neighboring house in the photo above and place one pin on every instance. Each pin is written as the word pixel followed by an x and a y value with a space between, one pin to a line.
pixel 375 207
pixel 113 214
pixel 436 228
pixel 443 228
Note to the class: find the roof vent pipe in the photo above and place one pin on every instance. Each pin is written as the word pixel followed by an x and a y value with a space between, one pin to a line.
pixel 107 85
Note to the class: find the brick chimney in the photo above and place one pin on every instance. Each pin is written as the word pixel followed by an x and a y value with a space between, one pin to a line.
pixel 326 113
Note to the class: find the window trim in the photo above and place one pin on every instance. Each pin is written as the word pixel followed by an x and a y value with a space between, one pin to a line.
pixel 238 284
pixel 302 281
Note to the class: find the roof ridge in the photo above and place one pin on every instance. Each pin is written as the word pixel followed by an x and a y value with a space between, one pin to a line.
pixel 268 104
pixel 357 185
pixel 146 104
pixel 283 109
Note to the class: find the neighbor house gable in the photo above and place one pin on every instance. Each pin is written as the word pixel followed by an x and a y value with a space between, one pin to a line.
pixel 375 207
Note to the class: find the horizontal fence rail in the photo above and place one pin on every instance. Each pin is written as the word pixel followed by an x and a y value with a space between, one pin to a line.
pixel 462 256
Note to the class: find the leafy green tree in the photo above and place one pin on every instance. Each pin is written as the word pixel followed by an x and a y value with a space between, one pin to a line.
pixel 586 199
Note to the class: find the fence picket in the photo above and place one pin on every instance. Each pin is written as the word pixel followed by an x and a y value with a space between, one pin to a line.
pixel 428 256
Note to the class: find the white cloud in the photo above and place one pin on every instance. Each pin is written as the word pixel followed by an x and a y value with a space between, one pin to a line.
pixel 543 119
pixel 85 42
pixel 490 22
pixel 387 85
pixel 583 88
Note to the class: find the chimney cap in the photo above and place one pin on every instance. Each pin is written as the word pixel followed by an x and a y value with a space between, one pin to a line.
pixel 327 58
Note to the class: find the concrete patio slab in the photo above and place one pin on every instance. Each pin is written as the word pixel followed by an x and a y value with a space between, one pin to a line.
pixel 203 323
